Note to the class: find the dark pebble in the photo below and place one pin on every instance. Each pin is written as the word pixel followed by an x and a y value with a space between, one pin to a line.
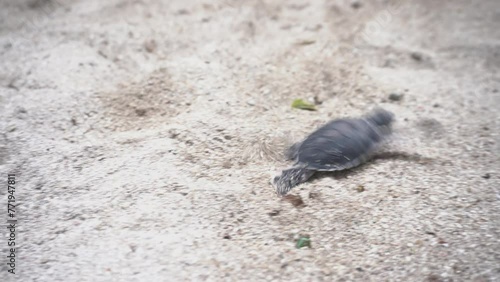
pixel 274 213
pixel 395 97
pixel 317 101
pixel 140 112
pixel 356 5
pixel 416 56
pixel 313 195
pixel 486 176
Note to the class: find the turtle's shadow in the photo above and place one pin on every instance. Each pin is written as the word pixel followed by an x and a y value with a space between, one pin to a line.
pixel 380 156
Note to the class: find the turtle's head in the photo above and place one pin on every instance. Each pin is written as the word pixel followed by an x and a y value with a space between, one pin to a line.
pixel 381 117
pixel 283 183
pixel 290 178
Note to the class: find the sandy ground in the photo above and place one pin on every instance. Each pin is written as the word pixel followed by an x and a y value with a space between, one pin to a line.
pixel 144 133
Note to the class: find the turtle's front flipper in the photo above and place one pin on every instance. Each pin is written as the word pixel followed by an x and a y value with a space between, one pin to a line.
pixel 290 178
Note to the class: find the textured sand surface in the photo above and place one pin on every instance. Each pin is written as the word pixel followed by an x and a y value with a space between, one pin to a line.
pixel 144 134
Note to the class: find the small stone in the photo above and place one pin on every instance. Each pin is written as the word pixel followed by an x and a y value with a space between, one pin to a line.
pixel 251 102
pixel 227 164
pixel 434 278
pixel 218 139
pixel 395 97
pixel 360 188
pixel 389 63
pixel 172 133
pixel 150 45
pixel 305 42
pixel 314 195
pixel 416 56
pixel 182 12
pixel 317 100
pixel 296 201
pixel 486 176
pixel 140 112
pixel 227 237
pixel 356 5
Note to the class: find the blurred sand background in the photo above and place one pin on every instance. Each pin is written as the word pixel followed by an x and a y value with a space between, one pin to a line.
pixel 144 133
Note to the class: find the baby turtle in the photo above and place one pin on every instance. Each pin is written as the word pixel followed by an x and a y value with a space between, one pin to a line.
pixel 338 145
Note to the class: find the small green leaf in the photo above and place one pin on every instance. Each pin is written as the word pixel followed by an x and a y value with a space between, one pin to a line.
pixel 303 242
pixel 301 104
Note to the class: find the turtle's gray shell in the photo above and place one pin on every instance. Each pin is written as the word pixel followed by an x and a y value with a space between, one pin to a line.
pixel 343 143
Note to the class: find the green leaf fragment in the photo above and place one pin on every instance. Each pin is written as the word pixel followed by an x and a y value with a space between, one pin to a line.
pixel 303 242
pixel 301 104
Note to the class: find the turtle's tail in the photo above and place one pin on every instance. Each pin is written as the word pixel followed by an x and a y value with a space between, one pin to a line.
pixel 381 117
pixel 290 178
